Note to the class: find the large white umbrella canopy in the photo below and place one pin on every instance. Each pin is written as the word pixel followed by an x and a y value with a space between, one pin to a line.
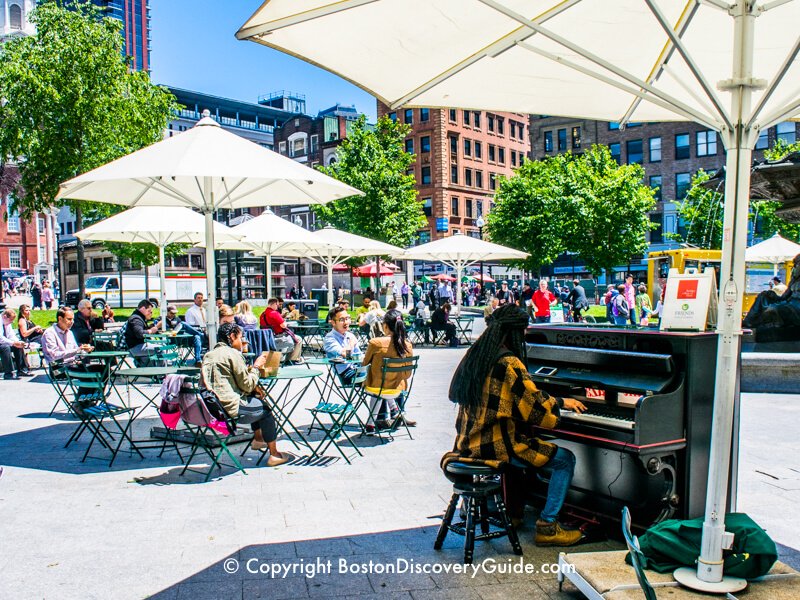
pixel 459 252
pixel 268 234
pixel 730 65
pixel 209 169
pixel 776 250
pixel 158 225
pixel 332 246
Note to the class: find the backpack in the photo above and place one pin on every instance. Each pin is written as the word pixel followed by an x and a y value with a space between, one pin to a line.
pixel 620 306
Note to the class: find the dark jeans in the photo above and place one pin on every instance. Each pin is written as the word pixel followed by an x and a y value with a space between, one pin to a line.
pixel 449 334
pixel 543 319
pixel 197 339
pixel 258 416
pixel 12 358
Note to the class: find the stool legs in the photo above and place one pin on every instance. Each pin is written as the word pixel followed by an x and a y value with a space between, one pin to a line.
pixel 446 521
pixel 469 534
pixel 484 514
pixel 512 533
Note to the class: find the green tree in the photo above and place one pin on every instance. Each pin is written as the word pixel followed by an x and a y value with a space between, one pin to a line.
pixel 701 213
pixel 375 162
pixel 585 204
pixel 528 209
pixel 71 104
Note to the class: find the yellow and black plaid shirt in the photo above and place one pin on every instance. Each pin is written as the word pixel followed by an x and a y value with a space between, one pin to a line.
pixel 502 428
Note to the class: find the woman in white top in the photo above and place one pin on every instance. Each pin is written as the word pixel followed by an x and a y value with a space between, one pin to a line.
pixel 373 319
pixel 244 316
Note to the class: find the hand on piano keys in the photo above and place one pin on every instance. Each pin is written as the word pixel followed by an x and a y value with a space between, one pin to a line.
pixel 574 405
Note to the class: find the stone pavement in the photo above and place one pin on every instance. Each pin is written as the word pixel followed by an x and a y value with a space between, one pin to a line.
pixel 82 530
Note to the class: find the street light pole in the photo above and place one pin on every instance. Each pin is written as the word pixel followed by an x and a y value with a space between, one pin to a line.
pixel 480 223
pixel 299 222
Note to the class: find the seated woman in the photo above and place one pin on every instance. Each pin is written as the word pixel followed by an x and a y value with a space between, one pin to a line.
pixel 290 313
pixel 440 321
pixel 226 315
pixel 370 322
pixel 29 332
pixel 244 316
pixel 392 344
pixel 108 314
pixel 236 385
pixel 499 406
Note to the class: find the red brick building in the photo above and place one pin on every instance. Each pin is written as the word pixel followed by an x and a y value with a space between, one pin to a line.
pixel 460 155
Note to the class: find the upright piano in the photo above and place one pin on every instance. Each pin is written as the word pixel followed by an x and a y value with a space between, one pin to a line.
pixel 644 440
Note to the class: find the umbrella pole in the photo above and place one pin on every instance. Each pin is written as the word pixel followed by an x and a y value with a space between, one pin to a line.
pixel 459 270
pixel 329 268
pixel 212 314
pixel 163 279
pixel 268 275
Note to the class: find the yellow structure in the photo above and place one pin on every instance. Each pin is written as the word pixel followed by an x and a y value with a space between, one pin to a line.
pixel 757 275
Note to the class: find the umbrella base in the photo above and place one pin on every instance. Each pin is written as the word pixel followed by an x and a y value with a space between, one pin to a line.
pixel 687 577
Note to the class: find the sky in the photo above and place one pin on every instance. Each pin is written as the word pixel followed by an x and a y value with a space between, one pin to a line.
pixel 193 46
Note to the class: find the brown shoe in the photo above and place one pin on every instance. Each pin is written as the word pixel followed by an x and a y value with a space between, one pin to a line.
pixel 274 461
pixel 553 534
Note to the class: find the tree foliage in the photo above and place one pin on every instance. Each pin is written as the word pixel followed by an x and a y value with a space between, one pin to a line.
pixel 586 204
pixel 143 254
pixel 375 162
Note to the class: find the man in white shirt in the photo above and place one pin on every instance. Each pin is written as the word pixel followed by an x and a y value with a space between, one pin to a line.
pixel 58 342
pixel 12 353
pixel 196 315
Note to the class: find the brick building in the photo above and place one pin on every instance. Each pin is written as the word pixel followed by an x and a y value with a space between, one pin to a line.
pixel 460 155
pixel 671 153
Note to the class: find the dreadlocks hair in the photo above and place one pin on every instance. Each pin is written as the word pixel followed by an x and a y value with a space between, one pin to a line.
pixel 394 321
pixel 505 333
pixel 226 331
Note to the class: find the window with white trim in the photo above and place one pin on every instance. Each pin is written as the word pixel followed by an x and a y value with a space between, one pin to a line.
pixel 15 258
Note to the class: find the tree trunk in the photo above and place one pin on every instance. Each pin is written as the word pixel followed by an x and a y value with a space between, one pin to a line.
pixel 79 248
pixel 146 282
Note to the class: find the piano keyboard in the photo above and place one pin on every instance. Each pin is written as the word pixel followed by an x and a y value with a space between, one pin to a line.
pixel 600 419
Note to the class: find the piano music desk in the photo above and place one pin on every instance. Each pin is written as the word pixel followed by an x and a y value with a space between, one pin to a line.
pixel 606 576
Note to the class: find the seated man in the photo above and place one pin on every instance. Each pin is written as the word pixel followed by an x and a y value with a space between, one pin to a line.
pixel 12 349
pixel 136 329
pixel 175 324
pixel 272 319
pixel 196 314
pixel 489 309
pixel 291 313
pixel 440 321
pixel 58 342
pixel 85 323
pixel 340 343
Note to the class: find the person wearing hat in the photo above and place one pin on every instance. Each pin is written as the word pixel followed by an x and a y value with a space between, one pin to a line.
pixel 499 406
pixel 778 287
pixel 505 295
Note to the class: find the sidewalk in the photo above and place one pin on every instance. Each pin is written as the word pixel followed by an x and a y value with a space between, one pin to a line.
pixel 80 530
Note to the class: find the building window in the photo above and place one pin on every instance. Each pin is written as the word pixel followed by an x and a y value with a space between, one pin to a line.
pixel 15 258
pixel 426 175
pixel 108 263
pixel 181 261
pixel 635 152
pixel 562 140
pixel 424 236
pixel 492 149
pixel 282 148
pixel 706 143
pixel 454 146
pixel 40 225
pixel 500 126
pixel 681 146
pixel 298 147
pixel 393 117
pixel 424 115
pixel 13 218
pixel 657 234
pixel 476 120
pixel 501 156
pixel 454 174
pixel 452 114
pixel 492 181
pixel 576 138
pixel 512 129
pixel 616 152
pixel 763 140
pixel 409 116
pixel 427 206
pixel 655 184
pixel 655 149
pixel 314 143
pixel 467 147
pixel 479 179
pixel 478 149
pixel 454 206
pixel 613 126
pixel 786 132
pixel 468 177
pixel 513 158
pixel 15 16
pixel 490 121
pixel 682 182
pixel 479 207
pixel 425 143
pixel 548 141
pixel 410 145
pixel 468 206
pixel 466 118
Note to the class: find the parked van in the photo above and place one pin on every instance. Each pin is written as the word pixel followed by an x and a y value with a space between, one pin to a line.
pixel 105 289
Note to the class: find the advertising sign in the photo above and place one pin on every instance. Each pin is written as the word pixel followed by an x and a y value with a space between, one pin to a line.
pixel 690 301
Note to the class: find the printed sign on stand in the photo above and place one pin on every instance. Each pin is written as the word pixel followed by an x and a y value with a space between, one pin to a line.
pixel 690 301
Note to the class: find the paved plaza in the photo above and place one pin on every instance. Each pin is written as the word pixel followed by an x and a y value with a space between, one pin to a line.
pixel 82 530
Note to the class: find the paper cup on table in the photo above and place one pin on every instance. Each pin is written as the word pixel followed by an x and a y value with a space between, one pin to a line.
pixel 272 365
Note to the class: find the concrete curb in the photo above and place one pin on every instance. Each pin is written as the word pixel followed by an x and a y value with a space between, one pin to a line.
pixel 770 372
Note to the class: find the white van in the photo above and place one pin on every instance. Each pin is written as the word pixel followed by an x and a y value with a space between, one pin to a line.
pixel 105 289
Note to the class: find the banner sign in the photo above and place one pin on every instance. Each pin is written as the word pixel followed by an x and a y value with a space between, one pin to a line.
pixel 690 301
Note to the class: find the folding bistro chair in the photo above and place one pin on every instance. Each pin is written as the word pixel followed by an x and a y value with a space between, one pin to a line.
pixel 57 374
pixel 93 410
pixel 209 425
pixel 339 415
pixel 406 365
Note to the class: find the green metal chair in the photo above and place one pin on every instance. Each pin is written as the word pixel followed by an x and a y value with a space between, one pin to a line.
pixel 57 374
pixel 400 366
pixel 339 414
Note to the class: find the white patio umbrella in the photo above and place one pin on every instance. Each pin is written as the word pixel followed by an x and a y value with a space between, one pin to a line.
pixel 333 246
pixel 459 252
pixel 206 168
pixel 776 250
pixel 268 234
pixel 158 225
pixel 730 65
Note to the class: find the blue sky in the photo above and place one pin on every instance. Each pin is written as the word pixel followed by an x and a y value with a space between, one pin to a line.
pixel 193 47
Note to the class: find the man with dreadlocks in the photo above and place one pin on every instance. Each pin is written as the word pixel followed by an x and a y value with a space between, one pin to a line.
pixel 499 406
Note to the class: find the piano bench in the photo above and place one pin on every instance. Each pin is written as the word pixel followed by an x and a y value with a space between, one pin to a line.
pixel 476 484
